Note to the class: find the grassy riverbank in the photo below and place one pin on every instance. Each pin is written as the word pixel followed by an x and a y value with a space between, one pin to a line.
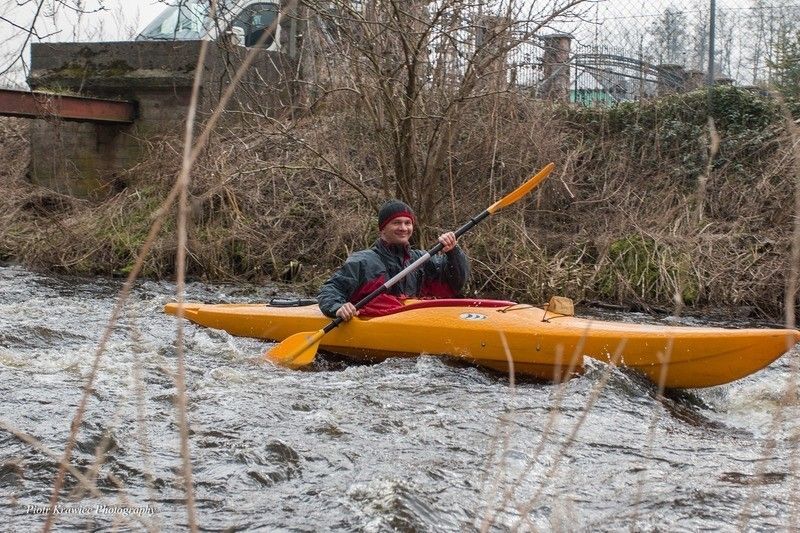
pixel 648 206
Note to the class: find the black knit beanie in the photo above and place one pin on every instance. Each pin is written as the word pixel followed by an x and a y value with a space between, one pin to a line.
pixel 393 209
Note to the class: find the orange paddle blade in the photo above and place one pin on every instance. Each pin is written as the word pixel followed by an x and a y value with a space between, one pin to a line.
pixel 522 190
pixel 297 350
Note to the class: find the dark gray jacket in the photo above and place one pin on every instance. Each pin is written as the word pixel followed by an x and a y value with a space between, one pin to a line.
pixel 442 276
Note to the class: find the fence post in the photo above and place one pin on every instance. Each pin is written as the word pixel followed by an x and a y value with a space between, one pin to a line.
pixel 712 26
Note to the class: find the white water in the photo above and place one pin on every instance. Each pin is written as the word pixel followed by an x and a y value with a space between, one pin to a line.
pixel 410 445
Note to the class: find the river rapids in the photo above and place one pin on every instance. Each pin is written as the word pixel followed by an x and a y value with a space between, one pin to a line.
pixel 420 444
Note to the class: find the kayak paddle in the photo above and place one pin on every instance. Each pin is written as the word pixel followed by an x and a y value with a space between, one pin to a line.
pixel 299 350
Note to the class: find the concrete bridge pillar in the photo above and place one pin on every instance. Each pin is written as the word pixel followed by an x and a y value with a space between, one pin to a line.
pixel 84 158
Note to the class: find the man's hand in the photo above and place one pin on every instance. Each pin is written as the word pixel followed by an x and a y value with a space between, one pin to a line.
pixel 347 311
pixel 448 240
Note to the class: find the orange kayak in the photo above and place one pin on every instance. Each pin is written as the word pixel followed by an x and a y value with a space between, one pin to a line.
pixel 498 335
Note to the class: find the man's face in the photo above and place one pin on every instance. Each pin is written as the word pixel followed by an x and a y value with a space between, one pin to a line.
pixel 398 231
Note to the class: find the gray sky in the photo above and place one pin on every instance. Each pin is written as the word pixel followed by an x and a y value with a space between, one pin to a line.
pixel 119 20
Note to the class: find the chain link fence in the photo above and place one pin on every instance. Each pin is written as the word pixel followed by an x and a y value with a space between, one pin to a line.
pixel 628 50
pixel 607 51
pixel 636 49
pixel 602 51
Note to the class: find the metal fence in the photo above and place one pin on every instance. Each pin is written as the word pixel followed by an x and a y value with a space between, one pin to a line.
pixel 632 49
pixel 619 50
pixel 602 51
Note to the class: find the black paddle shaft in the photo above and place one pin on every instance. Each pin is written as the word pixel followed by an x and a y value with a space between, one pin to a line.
pixel 410 268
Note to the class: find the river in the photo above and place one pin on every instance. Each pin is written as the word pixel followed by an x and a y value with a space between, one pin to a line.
pixel 418 444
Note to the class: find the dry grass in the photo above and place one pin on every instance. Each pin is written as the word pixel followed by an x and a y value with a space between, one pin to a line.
pixel 289 202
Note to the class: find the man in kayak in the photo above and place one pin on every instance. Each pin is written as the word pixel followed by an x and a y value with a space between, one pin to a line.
pixel 442 276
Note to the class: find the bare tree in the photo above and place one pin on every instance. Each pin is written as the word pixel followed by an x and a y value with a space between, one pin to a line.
pixel 670 38
pixel 699 30
pixel 418 66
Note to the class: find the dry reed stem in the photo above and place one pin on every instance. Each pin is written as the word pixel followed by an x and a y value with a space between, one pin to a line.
pixel 115 313
pixel 505 420
pixel 190 154
pixel 141 423
pixel 790 300
pixel 524 510
pixel 713 149
pixel 789 397
pixel 550 424
pixel 100 453
pixel 793 281
pixel 102 447
pixel 664 359
pixel 180 266
pixel 792 400
pixel 769 447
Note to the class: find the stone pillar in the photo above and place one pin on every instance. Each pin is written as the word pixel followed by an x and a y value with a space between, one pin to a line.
pixel 555 66
pixel 695 79
pixel 491 43
pixel 671 79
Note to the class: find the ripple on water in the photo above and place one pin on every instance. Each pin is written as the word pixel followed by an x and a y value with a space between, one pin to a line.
pixel 274 463
pixel 394 505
